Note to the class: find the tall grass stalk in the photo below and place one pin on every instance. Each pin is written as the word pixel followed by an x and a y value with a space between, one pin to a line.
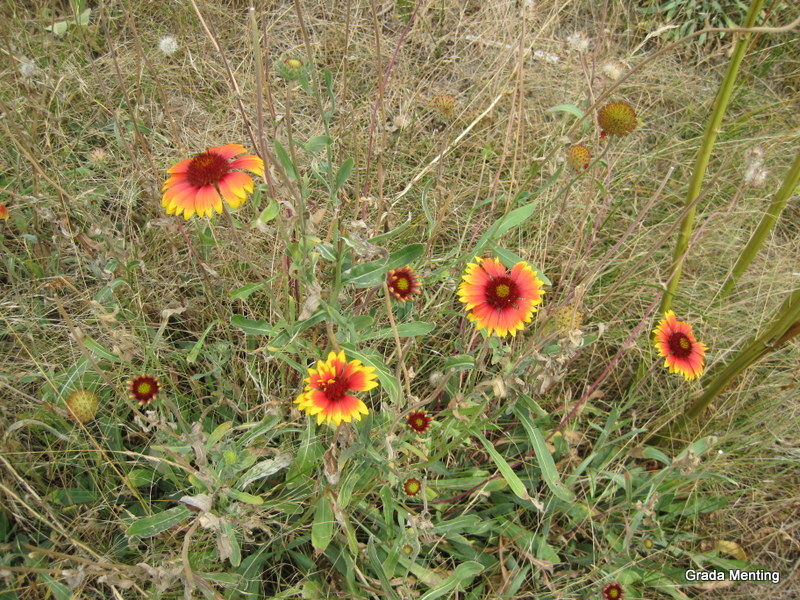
pixel 704 154
pixel 784 327
pixel 790 182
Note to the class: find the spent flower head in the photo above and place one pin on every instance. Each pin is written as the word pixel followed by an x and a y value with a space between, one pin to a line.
pixel 616 118
pixel 578 157
pixel 83 405
pixel 168 45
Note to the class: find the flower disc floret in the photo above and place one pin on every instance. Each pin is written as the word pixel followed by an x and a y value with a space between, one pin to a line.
pixel 327 386
pixel 419 421
pixel 412 487
pixel 143 388
pixel 200 184
pixel 613 591
pixel 578 157
pixel 675 341
pixel 497 300
pixel 403 283
pixel 617 118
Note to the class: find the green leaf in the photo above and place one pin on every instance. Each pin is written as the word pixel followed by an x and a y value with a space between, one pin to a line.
pixel 199 344
pixel 390 234
pixel 270 212
pixel 322 528
pixel 460 362
pixel 426 209
pixel 59 28
pixel 265 468
pixel 141 477
pixel 230 534
pixel 286 162
pixel 567 108
pixel 71 496
pixel 513 219
pixel 59 590
pixel 344 172
pixel 315 144
pixel 98 350
pixel 83 18
pixel 251 327
pixel 148 527
pixel 411 329
pixel 366 274
pixel 505 469
pixel 246 498
pixel 245 291
pixel 546 464
pixel 461 578
pixel 405 256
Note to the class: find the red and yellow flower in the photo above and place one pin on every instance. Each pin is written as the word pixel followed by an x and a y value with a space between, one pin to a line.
pixel 613 591
pixel 200 184
pixel 499 301
pixel 402 283
pixel 675 341
pixel 412 486
pixel 327 385
pixel 3 212
pixel 419 421
pixel 143 388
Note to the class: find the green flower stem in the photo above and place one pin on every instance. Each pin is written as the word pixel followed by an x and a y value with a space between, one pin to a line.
pixel 704 154
pixel 785 326
pixel 768 221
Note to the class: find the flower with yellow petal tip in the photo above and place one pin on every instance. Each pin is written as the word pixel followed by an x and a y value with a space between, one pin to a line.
pixel 412 486
pixel 675 341
pixel 419 421
pixel 143 388
pixel 613 591
pixel 327 385
pixel 402 283
pixel 499 301
pixel 200 184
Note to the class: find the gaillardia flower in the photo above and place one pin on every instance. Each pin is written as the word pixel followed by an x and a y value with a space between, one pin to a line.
pixel 143 388
pixel 326 389
pixel 200 184
pixel 402 283
pixel 412 486
pixel 617 118
pixel 419 421
pixel 3 212
pixel 675 341
pixel 578 157
pixel 613 591
pixel 499 301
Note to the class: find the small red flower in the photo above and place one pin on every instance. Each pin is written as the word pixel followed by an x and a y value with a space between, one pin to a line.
pixel 3 212
pixel 419 421
pixel 412 486
pixel 613 591
pixel 144 389
pixel 403 283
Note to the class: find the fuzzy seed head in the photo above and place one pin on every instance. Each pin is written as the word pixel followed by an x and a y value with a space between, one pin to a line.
pixel 168 45
pixel 566 318
pixel 578 157
pixel 445 105
pixel 83 405
pixel 617 118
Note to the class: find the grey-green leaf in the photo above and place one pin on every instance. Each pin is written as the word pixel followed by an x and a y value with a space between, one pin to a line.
pixel 148 527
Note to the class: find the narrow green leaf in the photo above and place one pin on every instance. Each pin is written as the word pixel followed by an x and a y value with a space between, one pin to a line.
pixel 98 350
pixel 426 209
pixel 344 173
pixel 193 354
pixel 366 274
pixel 58 589
pixel 459 579
pixel 265 468
pixel 246 498
pixel 230 534
pixel 513 219
pixel 412 329
pixel 405 256
pixel 245 291
pixel 286 162
pixel 148 527
pixel 567 108
pixel 390 234
pixel 505 469
pixel 546 464
pixel 460 362
pixel 322 528
pixel 249 326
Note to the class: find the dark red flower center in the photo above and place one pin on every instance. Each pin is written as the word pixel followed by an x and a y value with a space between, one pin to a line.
pixel 335 389
pixel 207 168
pixel 501 292
pixel 680 345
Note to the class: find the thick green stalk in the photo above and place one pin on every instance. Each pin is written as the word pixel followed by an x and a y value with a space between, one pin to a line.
pixel 768 221
pixel 704 154
pixel 785 326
